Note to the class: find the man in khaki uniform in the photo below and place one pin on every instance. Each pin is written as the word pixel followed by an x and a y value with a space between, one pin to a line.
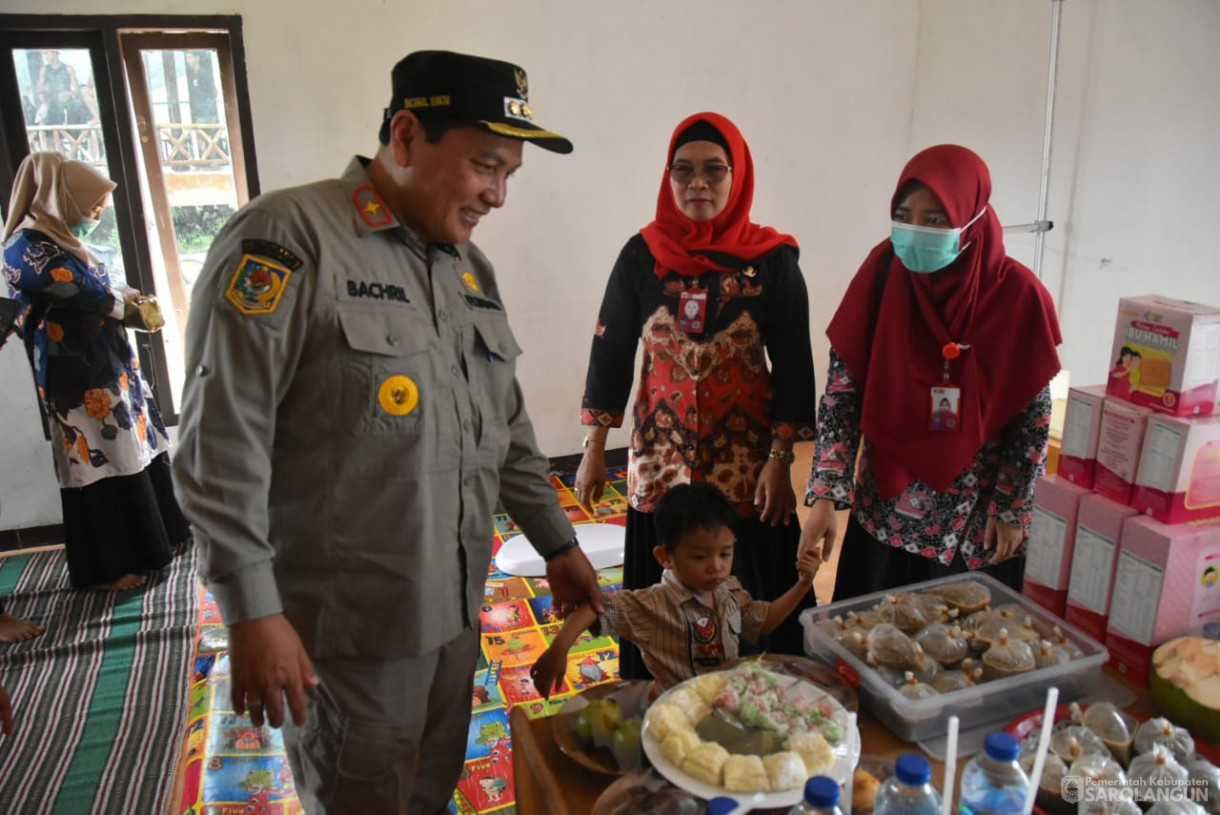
pixel 350 419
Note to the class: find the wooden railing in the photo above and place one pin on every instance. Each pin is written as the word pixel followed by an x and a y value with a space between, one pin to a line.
pixel 181 146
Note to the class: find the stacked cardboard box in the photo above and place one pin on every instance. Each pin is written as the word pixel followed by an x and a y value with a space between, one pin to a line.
pixel 1141 563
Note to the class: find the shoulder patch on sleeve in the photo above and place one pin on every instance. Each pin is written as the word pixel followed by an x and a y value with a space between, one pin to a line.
pixel 258 284
pixel 269 249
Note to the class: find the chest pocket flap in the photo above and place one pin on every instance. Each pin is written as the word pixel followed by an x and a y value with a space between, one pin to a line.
pixel 384 332
pixel 498 338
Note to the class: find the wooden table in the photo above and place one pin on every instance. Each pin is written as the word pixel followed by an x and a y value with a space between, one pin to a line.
pixel 550 783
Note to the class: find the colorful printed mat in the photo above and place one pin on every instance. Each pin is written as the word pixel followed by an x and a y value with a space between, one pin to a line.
pixel 234 768
pixel 98 697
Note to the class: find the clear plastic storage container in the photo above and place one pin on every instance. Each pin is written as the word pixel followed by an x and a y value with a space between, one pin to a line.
pixel 996 700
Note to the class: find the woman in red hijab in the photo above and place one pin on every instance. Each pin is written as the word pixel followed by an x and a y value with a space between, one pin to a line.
pixel 937 315
pixel 713 296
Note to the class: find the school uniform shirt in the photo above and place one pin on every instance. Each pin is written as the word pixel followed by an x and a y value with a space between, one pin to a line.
pixel 102 417
pixel 707 407
pixel 999 483
pixel 350 419
pixel 680 635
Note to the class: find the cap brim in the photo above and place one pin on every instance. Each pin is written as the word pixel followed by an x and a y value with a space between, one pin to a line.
pixel 543 138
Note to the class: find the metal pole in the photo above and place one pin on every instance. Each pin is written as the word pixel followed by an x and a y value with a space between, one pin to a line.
pixel 1039 237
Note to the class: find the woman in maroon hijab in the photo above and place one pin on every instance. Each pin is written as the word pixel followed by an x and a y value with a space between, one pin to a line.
pixel 941 354
pixel 713 296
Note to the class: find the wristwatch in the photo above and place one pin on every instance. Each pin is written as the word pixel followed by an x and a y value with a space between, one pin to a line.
pixel 782 456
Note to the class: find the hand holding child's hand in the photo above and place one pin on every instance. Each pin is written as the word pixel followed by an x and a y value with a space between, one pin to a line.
pixel 548 671
pixel 807 566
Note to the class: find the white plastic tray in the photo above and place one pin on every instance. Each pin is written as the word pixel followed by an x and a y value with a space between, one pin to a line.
pixel 602 544
pixel 998 700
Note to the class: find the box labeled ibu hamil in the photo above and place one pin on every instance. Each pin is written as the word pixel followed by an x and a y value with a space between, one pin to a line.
pixel 1165 355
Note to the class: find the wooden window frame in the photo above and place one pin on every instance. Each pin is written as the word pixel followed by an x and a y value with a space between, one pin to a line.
pixel 106 37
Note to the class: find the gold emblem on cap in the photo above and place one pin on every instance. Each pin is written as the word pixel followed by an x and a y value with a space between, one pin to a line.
pixel 469 280
pixel 518 109
pixel 398 395
pixel 523 85
pixel 749 271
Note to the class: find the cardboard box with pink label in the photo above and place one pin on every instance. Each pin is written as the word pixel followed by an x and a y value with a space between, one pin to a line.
pixel 1167 585
pixel 1165 355
pixel 1081 430
pixel 1179 470
pixel 1048 553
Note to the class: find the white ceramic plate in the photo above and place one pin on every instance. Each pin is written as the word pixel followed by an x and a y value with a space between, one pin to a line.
pixel 847 752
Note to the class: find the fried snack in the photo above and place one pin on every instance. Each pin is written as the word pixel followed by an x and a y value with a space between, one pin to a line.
pixel 679 744
pixel 706 763
pixel 745 774
pixel 664 718
pixel 813 749
pixel 785 770
pixel 864 787
pixel 689 700
pixel 709 686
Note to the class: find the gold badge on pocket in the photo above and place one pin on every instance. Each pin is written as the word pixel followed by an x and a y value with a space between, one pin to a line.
pixel 398 395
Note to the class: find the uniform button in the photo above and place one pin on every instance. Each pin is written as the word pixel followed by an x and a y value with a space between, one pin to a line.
pixel 455 371
pixel 391 339
pixel 442 316
pixel 201 370
pixel 466 424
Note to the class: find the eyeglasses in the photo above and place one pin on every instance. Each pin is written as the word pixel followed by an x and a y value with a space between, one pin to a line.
pixel 711 173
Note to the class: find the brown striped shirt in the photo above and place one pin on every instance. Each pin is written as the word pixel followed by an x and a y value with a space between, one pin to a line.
pixel 680 635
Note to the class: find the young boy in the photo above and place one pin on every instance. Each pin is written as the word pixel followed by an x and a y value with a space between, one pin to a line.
pixel 690 622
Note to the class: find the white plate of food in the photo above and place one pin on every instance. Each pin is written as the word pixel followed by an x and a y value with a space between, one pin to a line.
pixel 750 733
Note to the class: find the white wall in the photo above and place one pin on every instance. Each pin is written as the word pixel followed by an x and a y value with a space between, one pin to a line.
pixel 1136 168
pixel 832 96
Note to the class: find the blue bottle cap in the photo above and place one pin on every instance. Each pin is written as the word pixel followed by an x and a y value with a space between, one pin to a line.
pixel 1002 746
pixel 913 770
pixel 822 792
pixel 721 805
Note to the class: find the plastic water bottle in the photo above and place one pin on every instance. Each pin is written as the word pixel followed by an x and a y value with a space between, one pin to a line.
pixel 993 783
pixel 721 805
pixel 909 791
pixel 821 797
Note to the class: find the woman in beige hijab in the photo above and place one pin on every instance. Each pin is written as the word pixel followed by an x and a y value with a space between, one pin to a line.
pixel 108 441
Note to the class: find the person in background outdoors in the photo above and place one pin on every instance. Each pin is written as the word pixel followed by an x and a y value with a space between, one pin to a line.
pixel 351 418
pixel 109 445
pixel 712 295
pixel 43 112
pixel 936 310
pixel 88 97
pixel 55 76
pixel 28 108
pixel 202 87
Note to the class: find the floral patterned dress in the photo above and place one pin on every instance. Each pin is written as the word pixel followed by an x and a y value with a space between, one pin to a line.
pixel 103 420
pixel 707 407
pixel 937 525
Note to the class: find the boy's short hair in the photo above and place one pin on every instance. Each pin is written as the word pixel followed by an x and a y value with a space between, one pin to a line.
pixel 687 507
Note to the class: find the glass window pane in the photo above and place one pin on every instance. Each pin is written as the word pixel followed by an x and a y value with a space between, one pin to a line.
pixel 58 93
pixel 195 154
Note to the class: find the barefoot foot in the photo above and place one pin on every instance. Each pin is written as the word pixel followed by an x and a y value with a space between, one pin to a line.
pixel 15 629
pixel 127 581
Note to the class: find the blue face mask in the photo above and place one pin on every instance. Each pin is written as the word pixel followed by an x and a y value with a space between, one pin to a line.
pixel 926 249
pixel 85 228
